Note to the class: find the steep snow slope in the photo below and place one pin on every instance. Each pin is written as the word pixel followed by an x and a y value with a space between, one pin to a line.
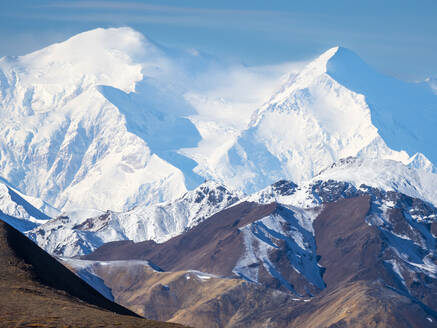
pixel 403 113
pixel 78 235
pixel 326 113
pixel 19 212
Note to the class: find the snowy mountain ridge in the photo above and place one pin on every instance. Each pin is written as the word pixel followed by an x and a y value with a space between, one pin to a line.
pixel 388 175
pixel 73 236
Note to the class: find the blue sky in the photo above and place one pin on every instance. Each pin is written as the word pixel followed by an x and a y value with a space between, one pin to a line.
pixel 397 37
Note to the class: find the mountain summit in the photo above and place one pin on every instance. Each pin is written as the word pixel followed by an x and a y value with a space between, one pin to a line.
pixel 69 119
pixel 334 108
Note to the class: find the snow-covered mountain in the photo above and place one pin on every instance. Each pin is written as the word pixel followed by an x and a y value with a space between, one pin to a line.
pixel 100 120
pixel 334 108
pixel 62 140
pixel 78 235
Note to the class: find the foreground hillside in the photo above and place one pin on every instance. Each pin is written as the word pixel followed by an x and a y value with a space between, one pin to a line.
pixel 36 291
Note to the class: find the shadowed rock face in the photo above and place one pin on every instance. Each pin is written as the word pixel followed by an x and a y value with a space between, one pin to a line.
pixel 35 289
pixel 284 187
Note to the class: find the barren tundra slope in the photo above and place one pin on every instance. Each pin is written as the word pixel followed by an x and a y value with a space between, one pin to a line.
pixel 37 291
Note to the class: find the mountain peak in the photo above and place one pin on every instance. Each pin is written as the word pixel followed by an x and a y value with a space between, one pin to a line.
pixel 339 59
pixel 327 55
pixel 337 55
pixel 344 63
pixel 97 57
pixel 319 65
pixel 322 65
pixel 124 39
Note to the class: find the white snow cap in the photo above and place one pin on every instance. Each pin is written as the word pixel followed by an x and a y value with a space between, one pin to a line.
pixel 101 56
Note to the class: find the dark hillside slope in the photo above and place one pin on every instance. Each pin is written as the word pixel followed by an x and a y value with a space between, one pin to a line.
pixel 37 291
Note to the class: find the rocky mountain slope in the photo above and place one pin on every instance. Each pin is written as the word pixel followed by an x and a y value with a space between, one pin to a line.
pixel 36 290
pixel 375 245
pixel 200 300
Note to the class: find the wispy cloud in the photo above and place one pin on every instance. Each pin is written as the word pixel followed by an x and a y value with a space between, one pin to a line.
pixel 138 6
pixel 135 12
pixel 117 19
pixel 125 13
